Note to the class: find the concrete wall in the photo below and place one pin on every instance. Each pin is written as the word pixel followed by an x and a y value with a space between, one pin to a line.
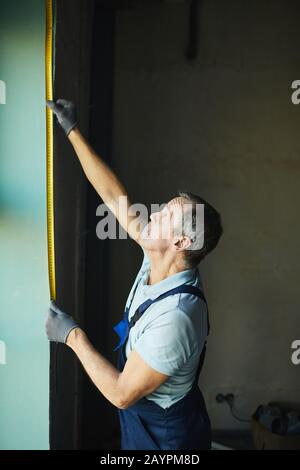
pixel 224 127
pixel 24 386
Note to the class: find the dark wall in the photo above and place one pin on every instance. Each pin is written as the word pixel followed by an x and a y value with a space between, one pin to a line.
pixel 224 126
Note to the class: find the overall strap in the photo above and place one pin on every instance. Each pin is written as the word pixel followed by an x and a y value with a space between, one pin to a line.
pixel 183 289
pixel 123 327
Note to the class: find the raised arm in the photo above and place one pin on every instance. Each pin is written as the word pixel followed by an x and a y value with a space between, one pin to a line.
pixel 100 175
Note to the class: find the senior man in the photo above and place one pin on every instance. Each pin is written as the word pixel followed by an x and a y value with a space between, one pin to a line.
pixel 162 335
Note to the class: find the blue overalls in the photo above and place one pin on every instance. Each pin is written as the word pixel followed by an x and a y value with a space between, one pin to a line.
pixel 145 425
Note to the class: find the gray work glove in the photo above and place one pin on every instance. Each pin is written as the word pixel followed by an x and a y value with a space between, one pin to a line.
pixel 58 324
pixel 65 112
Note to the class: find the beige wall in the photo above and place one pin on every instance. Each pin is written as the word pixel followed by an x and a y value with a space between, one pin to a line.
pixel 224 127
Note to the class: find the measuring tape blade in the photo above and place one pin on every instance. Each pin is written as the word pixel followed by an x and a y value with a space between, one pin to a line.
pixel 49 148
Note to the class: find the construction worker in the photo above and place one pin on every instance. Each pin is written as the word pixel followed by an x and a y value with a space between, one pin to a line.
pixel 162 335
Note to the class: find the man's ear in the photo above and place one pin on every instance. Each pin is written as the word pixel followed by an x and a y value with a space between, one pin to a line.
pixel 182 243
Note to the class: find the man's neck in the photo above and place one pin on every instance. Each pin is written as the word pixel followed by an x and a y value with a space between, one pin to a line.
pixel 162 267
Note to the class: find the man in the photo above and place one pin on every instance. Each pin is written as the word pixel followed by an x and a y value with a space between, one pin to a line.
pixel 165 325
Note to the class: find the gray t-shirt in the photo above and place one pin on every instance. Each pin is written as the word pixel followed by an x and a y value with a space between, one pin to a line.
pixel 171 333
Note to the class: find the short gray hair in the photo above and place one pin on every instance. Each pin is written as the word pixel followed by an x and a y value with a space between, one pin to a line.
pixel 212 229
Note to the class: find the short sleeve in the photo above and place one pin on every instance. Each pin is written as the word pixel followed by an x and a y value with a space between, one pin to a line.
pixel 168 342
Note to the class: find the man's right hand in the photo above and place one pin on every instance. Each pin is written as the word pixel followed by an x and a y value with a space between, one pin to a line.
pixel 59 324
pixel 65 112
pixel 99 174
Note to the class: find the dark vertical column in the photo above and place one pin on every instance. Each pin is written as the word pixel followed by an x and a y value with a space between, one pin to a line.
pixel 100 419
pixel 72 79
pixel 80 417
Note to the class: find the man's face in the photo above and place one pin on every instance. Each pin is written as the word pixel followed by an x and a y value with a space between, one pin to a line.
pixel 161 232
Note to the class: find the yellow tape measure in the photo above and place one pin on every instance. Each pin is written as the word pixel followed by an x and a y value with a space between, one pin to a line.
pixel 49 148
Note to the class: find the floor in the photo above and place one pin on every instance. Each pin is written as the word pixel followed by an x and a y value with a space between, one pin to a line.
pixel 232 440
